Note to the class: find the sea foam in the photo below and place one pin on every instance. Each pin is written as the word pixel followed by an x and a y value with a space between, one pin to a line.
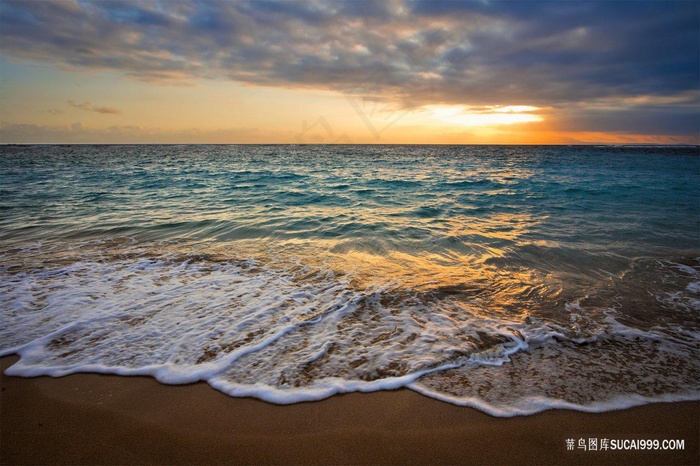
pixel 290 335
pixel 511 279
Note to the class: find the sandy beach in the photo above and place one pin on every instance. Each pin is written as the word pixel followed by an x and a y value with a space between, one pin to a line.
pixel 407 232
pixel 90 419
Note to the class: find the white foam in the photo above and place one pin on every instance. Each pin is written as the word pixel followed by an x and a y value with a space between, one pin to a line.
pixel 682 267
pixel 614 372
pixel 536 404
pixel 125 317
pixel 293 334
pixel 693 287
pixel 322 388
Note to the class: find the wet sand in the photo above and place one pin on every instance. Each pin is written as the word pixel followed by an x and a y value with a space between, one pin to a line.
pixel 90 418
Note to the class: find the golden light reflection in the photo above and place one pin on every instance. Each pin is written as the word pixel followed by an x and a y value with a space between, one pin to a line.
pixel 466 265
pixel 475 285
pixel 458 256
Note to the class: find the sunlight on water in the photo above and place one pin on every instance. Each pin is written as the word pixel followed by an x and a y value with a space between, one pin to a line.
pixel 292 273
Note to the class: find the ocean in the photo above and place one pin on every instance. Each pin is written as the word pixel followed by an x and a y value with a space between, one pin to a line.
pixel 512 279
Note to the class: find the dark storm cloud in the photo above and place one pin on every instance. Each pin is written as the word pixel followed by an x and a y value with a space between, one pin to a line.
pixel 542 53
pixel 668 121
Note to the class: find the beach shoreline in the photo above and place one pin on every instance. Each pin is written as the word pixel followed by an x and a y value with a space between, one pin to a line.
pixel 104 419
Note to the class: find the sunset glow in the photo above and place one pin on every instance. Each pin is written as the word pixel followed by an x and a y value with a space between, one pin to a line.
pixel 484 116
pixel 349 72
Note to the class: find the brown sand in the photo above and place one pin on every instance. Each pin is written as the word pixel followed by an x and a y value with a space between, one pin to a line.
pixel 90 418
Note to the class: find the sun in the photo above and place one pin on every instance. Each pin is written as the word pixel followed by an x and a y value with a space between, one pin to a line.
pixel 491 115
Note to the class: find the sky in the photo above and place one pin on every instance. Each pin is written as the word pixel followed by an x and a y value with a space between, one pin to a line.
pixel 353 71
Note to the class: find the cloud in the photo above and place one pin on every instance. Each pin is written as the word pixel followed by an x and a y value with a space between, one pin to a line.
pixel 83 106
pixel 106 110
pixel 312 132
pixel 79 133
pixel 86 106
pixel 410 54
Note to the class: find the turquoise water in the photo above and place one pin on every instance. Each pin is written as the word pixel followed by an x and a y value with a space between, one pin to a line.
pixel 510 278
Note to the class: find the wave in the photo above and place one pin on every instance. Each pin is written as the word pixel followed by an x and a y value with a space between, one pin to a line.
pixel 286 333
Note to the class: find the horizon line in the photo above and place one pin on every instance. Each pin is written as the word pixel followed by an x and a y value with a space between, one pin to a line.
pixel 631 144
